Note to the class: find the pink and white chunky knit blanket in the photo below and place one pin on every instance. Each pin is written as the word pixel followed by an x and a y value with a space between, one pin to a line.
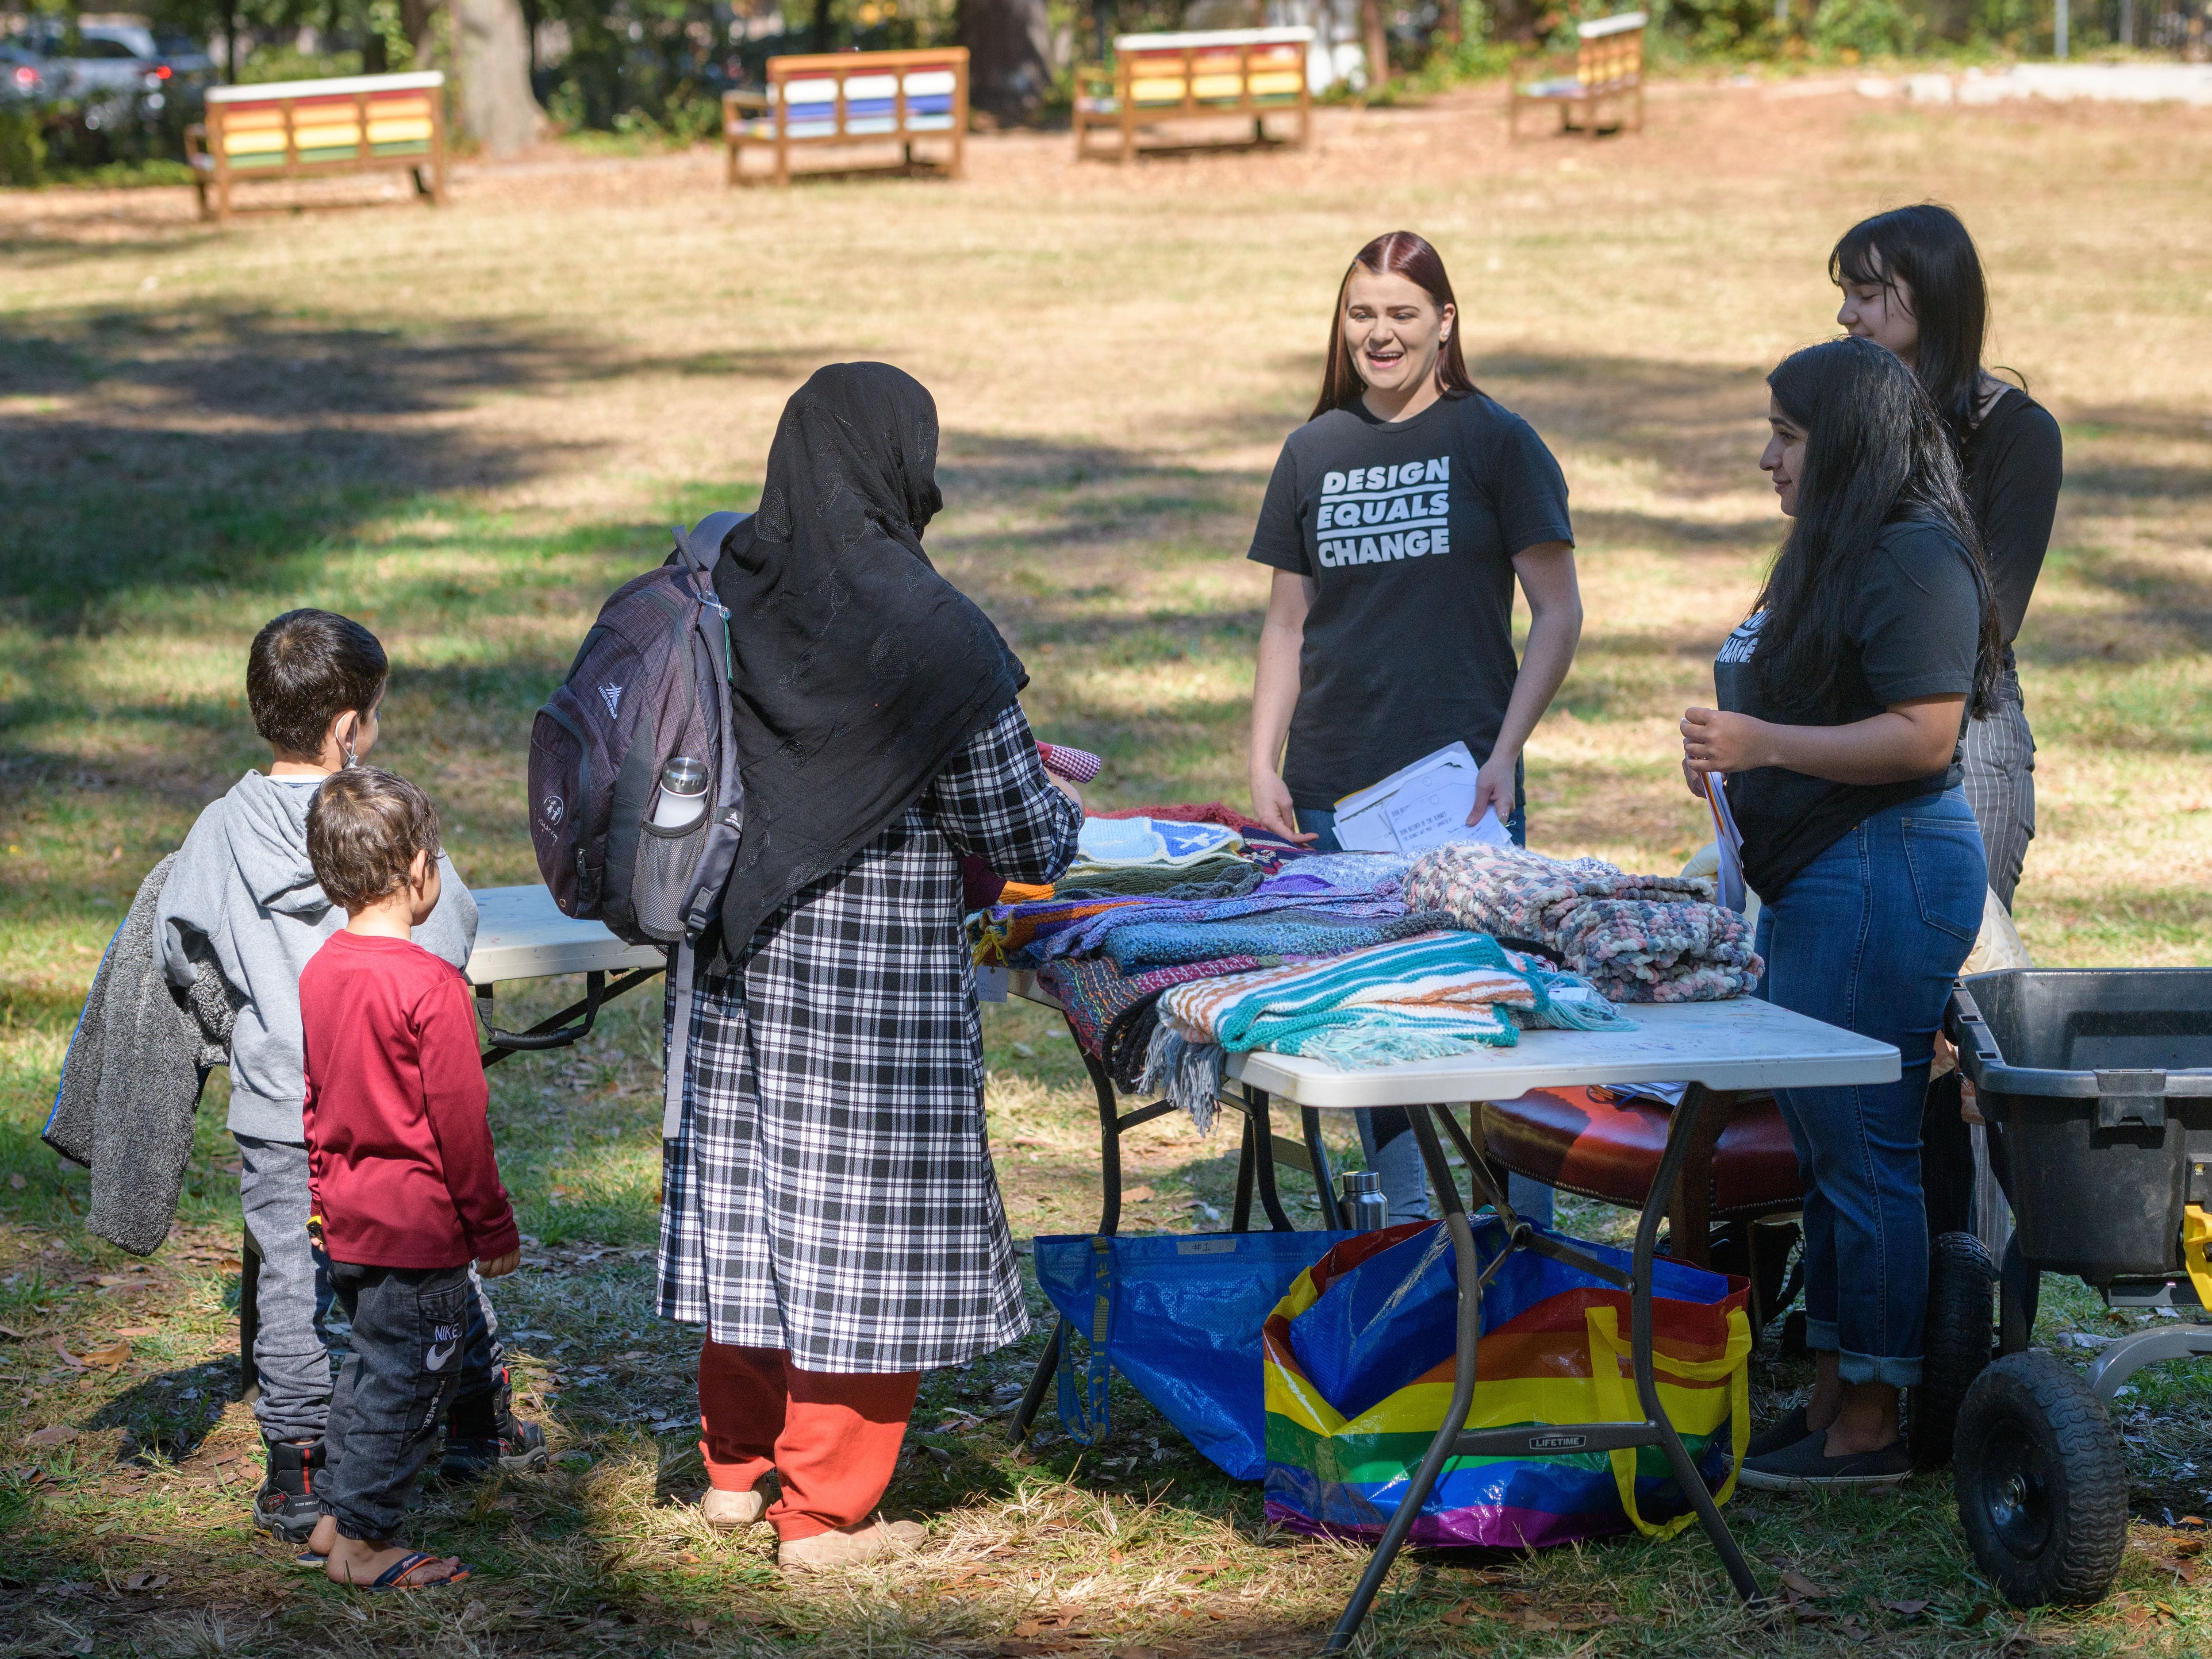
pixel 1637 938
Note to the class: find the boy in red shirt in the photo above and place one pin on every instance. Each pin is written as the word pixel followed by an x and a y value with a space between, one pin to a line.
pixel 406 1188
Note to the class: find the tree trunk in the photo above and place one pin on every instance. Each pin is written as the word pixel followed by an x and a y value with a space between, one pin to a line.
pixel 1009 55
pixel 497 109
pixel 1379 43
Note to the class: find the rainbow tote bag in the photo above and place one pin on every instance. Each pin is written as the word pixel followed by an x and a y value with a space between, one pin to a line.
pixel 1359 1362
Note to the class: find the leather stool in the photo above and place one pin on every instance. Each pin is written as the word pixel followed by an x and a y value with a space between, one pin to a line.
pixel 1605 1144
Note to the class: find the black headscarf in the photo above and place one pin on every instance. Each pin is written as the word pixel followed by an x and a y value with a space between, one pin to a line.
pixel 858 670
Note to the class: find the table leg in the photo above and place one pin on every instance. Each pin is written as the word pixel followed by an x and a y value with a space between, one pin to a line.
pixel 1462 1396
pixel 1240 1212
pixel 1262 1145
pixel 1332 1218
pixel 1109 1222
pixel 1687 1128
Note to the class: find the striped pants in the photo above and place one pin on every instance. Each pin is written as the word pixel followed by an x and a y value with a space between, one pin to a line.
pixel 1999 786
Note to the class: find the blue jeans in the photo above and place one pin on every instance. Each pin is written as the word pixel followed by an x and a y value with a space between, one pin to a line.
pixel 1868 936
pixel 1384 1133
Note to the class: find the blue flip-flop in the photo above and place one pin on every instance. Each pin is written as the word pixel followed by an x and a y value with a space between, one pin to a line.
pixel 307 1560
pixel 390 1579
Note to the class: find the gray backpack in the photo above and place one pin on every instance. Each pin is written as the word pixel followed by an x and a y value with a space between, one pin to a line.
pixel 645 708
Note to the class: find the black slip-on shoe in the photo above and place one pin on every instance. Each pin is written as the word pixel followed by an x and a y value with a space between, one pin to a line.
pixel 1778 1435
pixel 518 1449
pixel 1806 1467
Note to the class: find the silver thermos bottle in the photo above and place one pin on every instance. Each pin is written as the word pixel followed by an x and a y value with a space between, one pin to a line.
pixel 682 798
pixel 1366 1209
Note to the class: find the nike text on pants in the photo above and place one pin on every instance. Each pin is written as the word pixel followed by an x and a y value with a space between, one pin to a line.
pixel 832 1437
pixel 409 1325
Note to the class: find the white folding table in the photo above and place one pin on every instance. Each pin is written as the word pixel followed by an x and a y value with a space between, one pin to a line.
pixel 522 935
pixel 1719 1049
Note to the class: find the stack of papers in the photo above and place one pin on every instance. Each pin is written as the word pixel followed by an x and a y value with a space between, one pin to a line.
pixel 1419 807
pixel 1729 841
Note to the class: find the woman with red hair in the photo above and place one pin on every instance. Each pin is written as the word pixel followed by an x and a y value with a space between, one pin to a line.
pixel 1397 521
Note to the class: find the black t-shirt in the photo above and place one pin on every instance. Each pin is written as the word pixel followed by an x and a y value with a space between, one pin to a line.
pixel 1916 624
pixel 2013 464
pixel 1408 529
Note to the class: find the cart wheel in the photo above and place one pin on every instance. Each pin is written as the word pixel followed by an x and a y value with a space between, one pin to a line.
pixel 1958 1343
pixel 2042 1483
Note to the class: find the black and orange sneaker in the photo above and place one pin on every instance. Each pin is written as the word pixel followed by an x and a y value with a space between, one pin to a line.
pixel 286 1507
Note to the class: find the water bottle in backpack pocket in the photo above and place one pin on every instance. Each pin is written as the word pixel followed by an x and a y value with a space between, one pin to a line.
pixel 636 806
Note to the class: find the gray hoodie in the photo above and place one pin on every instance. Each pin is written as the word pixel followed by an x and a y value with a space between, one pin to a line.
pixel 242 883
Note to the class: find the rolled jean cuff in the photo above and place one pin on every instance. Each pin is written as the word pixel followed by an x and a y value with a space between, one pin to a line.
pixel 1874 1368
pixel 1821 1336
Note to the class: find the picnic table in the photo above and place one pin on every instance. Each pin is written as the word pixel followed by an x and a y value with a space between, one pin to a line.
pixel 1719 1049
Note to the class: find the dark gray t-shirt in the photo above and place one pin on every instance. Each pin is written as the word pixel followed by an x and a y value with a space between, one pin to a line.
pixel 1915 625
pixel 1408 530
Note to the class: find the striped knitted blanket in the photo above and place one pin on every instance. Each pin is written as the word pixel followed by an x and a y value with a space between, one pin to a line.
pixel 1108 1009
pixel 1422 999
pixel 1637 938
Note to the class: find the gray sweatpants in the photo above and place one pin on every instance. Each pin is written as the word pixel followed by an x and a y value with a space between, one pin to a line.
pixel 291 1346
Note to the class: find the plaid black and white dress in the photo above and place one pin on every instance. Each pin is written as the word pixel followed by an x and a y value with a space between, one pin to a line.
pixel 829 1189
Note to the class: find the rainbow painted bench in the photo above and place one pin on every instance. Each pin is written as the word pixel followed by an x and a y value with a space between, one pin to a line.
pixel 1247 74
pixel 300 129
pixel 853 97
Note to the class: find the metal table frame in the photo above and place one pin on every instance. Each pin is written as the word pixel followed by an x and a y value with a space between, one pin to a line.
pixel 1675 1042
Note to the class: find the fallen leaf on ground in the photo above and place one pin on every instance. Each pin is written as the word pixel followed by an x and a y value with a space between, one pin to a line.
pixel 145 1581
pixel 135 1331
pixel 701 1626
pixel 231 1264
pixel 1532 1620
pixel 1907 1609
pixel 10 1333
pixel 1140 1195
pixel 635 1353
pixel 59 1434
pixel 67 1358
pixel 112 1355
pixel 1798 1585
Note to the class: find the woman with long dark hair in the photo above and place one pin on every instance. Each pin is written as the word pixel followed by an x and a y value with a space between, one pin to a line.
pixel 830 1212
pixel 1843 699
pixel 1397 521
pixel 1912 283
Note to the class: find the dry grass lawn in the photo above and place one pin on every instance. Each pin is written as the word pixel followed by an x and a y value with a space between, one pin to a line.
pixel 466 427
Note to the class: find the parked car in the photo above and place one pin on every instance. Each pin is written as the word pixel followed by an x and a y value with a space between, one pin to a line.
pixel 25 75
pixel 105 58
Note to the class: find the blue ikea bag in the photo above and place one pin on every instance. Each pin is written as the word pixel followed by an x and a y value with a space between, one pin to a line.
pixel 1179 1315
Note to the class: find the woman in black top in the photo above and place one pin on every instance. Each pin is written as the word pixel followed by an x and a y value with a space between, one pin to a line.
pixel 1912 283
pixel 1398 518
pixel 1842 696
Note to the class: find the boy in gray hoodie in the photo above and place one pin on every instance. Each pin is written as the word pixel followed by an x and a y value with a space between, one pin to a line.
pixel 243 888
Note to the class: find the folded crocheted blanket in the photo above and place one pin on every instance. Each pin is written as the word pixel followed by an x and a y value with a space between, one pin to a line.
pixel 1106 1007
pixel 1637 938
pixel 1282 933
pixel 1219 876
pixel 1087 935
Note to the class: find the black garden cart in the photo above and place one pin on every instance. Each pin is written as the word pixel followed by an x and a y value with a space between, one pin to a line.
pixel 2097 1086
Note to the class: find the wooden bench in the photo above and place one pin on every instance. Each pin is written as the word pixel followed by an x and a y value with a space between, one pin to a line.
pixel 1247 74
pixel 853 97
pixel 1608 69
pixel 301 129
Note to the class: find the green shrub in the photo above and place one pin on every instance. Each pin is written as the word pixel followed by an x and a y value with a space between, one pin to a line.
pixel 1870 27
pixel 22 146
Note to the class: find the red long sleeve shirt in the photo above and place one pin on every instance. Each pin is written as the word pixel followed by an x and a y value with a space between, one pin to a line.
pixel 399 1153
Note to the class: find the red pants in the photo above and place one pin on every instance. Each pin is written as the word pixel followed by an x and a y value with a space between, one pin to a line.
pixel 832 1438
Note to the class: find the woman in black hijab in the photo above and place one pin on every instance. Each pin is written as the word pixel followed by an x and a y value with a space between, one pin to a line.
pixel 829 1210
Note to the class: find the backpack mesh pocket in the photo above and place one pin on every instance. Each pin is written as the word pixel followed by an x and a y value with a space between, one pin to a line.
pixel 666 862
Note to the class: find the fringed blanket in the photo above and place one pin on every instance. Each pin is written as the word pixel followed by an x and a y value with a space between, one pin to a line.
pixel 1637 938
pixel 1423 998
